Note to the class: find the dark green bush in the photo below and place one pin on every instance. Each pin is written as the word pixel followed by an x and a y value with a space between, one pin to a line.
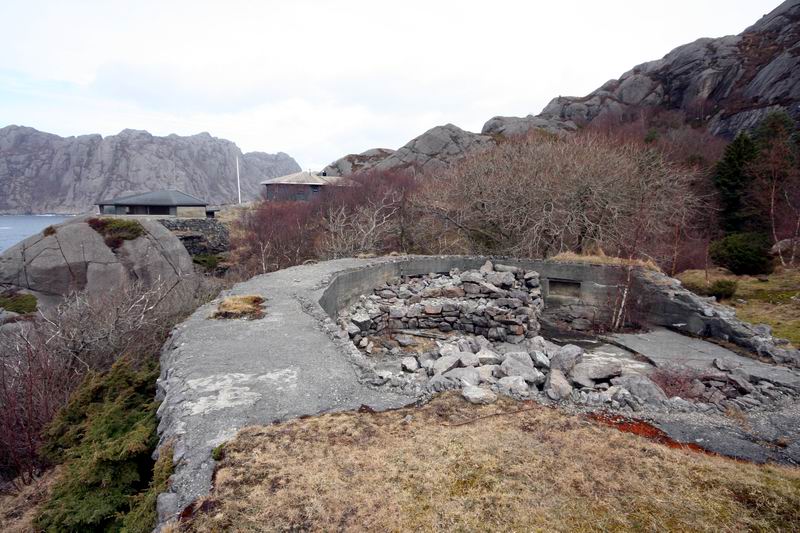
pixel 208 261
pixel 722 289
pixel 743 253
pixel 18 302
pixel 116 230
pixel 104 437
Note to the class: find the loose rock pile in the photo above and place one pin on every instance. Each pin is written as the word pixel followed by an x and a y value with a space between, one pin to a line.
pixel 477 331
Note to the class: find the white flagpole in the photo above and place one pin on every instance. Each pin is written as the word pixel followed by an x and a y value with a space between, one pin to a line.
pixel 238 183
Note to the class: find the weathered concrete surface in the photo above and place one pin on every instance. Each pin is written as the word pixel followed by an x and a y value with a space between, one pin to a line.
pixel 221 375
pixel 667 348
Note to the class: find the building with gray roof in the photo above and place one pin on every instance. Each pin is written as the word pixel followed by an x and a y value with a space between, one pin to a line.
pixel 169 202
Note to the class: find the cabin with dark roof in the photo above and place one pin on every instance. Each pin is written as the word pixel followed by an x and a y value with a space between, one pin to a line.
pixel 301 186
pixel 168 203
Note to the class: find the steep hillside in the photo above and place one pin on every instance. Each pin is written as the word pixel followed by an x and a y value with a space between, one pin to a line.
pixel 729 83
pixel 45 173
pixel 726 84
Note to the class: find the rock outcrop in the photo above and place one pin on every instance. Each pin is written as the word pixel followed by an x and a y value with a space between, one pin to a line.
pixel 433 150
pixel 354 163
pixel 75 257
pixel 45 173
pixel 729 83
pixel 516 126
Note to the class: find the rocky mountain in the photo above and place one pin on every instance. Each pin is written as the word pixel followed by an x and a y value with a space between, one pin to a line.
pixel 727 84
pixel 44 173
pixel 432 150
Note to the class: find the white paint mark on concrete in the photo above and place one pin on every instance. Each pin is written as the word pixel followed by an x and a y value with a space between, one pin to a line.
pixel 222 391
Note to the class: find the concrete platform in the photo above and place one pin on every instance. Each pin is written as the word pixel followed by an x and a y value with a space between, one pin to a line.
pixel 667 348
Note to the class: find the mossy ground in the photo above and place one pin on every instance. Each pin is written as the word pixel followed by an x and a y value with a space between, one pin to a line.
pixel 103 440
pixel 773 299
pixel 510 466
pixel 18 302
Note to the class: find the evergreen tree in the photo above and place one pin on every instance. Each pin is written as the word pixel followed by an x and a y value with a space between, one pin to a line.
pixel 732 178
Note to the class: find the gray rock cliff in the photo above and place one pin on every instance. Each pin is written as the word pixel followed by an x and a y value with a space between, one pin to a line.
pixel 45 173
pixel 728 83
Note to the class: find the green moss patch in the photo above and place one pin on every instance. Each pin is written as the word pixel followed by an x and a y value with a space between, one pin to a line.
pixel 105 437
pixel 209 262
pixel 116 231
pixel 18 302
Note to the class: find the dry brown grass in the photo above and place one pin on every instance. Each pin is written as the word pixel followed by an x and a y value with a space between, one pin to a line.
pixel 602 259
pixel 247 306
pixel 19 507
pixel 532 468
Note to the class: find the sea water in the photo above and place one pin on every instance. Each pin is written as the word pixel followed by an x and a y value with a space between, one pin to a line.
pixel 14 228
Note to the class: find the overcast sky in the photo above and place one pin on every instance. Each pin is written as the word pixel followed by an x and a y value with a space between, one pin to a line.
pixel 319 79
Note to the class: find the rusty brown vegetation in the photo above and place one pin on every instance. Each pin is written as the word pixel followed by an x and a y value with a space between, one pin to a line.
pixel 504 467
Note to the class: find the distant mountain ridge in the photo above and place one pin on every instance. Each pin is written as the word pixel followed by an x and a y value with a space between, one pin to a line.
pixel 44 173
pixel 727 84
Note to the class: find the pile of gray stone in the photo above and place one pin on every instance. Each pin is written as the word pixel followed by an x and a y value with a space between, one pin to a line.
pixel 499 302
pixel 477 331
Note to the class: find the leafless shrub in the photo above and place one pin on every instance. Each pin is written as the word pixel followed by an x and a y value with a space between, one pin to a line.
pixel 42 360
pixel 679 381
pixel 543 195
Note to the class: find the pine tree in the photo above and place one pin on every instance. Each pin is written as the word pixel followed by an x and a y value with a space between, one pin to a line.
pixel 732 178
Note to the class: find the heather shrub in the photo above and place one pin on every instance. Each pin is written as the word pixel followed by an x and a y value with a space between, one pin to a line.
pixel 743 253
pixel 723 289
pixel 104 438
pixel 116 230
pixel 45 358
pixel 17 302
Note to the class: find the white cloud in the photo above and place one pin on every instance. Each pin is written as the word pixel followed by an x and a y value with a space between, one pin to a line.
pixel 319 79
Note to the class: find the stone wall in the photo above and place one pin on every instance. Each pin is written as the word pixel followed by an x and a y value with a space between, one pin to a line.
pixel 502 304
pixel 199 235
pixel 581 295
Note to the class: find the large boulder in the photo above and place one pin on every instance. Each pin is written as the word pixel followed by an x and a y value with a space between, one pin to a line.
pixel 587 372
pixel 557 387
pixel 514 367
pixel 641 387
pixel 478 395
pixel 566 358
pixel 75 257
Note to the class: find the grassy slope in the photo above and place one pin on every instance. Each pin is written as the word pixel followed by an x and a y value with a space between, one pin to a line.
pixel 539 469
pixel 775 302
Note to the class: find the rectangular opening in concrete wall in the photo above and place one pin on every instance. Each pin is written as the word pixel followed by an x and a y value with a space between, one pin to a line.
pixel 564 288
